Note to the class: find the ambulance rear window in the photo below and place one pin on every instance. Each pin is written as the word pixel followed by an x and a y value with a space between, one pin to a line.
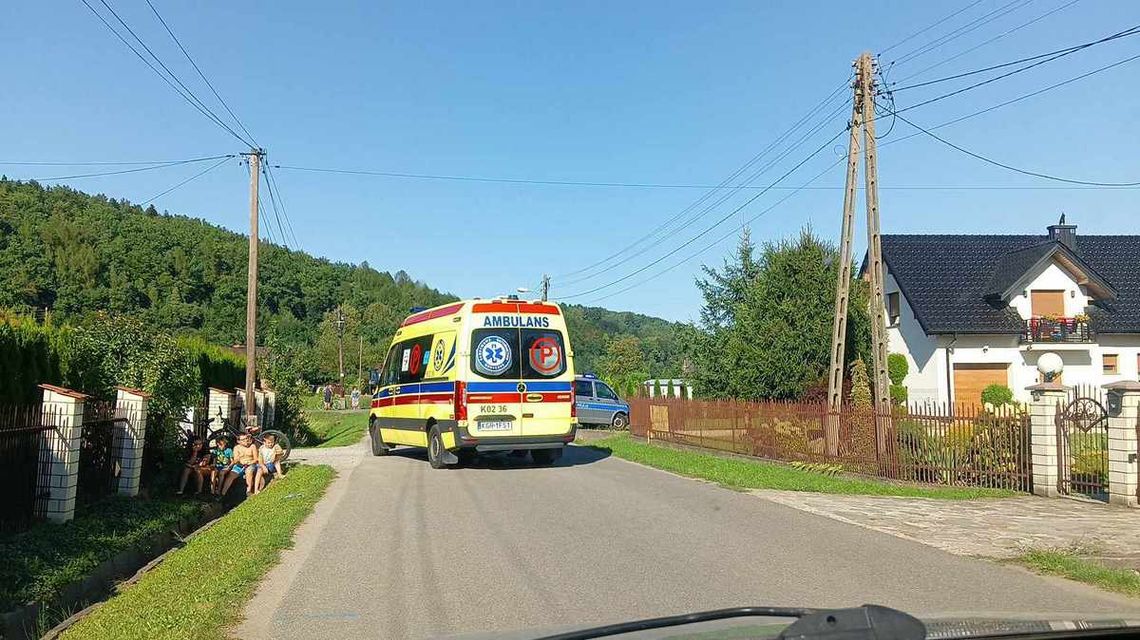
pixel 517 353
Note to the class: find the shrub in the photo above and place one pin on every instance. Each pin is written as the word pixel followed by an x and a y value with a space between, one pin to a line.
pixel 997 395
pixel 898 395
pixel 897 368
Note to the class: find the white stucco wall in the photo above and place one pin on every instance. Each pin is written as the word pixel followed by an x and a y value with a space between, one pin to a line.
pixel 927 379
pixel 1052 277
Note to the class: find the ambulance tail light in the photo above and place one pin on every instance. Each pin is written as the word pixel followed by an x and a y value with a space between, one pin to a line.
pixel 573 402
pixel 460 400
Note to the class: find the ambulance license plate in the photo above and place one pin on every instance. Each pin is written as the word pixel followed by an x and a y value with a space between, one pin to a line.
pixel 495 425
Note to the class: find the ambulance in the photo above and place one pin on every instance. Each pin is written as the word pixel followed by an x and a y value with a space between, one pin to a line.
pixel 477 376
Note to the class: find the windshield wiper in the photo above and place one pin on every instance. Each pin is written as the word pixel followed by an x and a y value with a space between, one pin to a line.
pixel 867 621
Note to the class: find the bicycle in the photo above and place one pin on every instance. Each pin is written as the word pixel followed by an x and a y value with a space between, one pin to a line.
pixel 232 431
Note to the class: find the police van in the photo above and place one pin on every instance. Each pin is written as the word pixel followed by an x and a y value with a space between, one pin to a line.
pixel 477 376
pixel 598 405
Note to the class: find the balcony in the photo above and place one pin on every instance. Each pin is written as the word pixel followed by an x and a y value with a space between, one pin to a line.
pixel 1057 330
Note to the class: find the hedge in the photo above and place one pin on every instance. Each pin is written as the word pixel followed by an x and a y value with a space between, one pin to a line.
pixel 106 351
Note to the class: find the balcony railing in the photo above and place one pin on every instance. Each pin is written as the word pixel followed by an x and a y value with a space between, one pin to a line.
pixel 1056 330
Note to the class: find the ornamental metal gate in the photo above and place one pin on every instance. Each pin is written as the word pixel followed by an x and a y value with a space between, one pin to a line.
pixel 1082 445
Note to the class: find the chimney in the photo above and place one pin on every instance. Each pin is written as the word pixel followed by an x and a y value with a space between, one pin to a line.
pixel 1066 234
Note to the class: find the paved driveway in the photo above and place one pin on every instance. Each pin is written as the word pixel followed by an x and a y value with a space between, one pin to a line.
pixel 399 550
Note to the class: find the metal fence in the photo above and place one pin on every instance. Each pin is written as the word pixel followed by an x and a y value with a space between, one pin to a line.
pixel 98 467
pixel 24 456
pixel 934 444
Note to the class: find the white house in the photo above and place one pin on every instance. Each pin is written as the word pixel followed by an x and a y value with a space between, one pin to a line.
pixel 968 311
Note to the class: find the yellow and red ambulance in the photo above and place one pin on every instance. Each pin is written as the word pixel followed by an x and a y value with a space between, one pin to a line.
pixel 477 376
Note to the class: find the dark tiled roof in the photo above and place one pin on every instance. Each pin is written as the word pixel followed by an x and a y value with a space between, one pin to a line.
pixel 946 278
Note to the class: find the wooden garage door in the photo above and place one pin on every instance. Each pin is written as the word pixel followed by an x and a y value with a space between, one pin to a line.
pixel 970 379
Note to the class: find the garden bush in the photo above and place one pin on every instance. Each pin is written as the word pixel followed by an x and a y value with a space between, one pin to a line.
pixel 997 395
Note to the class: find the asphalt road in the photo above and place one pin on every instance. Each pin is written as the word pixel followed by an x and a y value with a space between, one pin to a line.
pixel 399 550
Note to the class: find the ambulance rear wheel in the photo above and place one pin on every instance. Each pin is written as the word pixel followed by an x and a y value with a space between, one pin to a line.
pixel 378 446
pixel 435 448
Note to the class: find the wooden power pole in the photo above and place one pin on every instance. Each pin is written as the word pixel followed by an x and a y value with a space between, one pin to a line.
pixel 545 287
pixel 340 342
pixel 251 290
pixel 862 123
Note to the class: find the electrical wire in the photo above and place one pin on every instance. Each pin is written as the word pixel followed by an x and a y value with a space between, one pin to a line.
pixel 276 209
pixel 804 186
pixel 961 31
pixel 991 40
pixel 188 96
pixel 928 28
pixel 696 203
pixel 1052 55
pixel 713 226
pixel 202 75
pixel 1003 165
pixel 163 165
pixel 1018 98
pixel 187 180
pixel 272 178
pixel 99 163
pixel 710 207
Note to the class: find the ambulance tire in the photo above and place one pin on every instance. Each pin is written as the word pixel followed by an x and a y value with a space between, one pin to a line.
pixel 378 446
pixel 435 448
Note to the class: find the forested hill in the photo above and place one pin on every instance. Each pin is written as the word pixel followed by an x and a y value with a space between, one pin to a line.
pixel 77 253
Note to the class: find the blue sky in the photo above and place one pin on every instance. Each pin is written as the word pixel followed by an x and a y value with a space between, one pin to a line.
pixel 645 92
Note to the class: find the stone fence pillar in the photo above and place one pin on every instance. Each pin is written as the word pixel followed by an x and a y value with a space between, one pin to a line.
pixel 1123 422
pixel 219 406
pixel 1043 408
pixel 59 474
pixel 130 437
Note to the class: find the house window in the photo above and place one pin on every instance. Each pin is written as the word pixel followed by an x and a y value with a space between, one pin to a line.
pixel 1047 303
pixel 1111 366
pixel 893 308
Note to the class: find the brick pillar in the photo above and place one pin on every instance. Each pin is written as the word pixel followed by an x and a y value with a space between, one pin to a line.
pixel 270 409
pixel 130 436
pixel 1123 422
pixel 59 475
pixel 1047 399
pixel 219 405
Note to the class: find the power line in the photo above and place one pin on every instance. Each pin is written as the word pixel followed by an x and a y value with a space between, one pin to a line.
pixel 100 163
pixel 187 180
pixel 271 177
pixel 1052 55
pixel 713 226
pixel 277 209
pixel 993 39
pixel 1018 99
pixel 734 230
pixel 724 198
pixel 819 106
pixel 1013 168
pixel 163 165
pixel 961 31
pixel 928 28
pixel 202 75
pixel 186 95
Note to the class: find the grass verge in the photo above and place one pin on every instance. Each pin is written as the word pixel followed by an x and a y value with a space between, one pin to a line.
pixel 198 591
pixel 39 563
pixel 1068 564
pixel 748 474
pixel 336 428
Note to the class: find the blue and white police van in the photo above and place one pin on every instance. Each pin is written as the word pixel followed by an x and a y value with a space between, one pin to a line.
pixel 598 405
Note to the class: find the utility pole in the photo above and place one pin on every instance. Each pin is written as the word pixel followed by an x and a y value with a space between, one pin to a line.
pixel 340 342
pixel 254 156
pixel 862 123
pixel 545 287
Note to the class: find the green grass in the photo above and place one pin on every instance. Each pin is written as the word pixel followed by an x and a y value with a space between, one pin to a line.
pixel 198 591
pixel 738 473
pixel 337 428
pixel 38 563
pixel 1067 564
